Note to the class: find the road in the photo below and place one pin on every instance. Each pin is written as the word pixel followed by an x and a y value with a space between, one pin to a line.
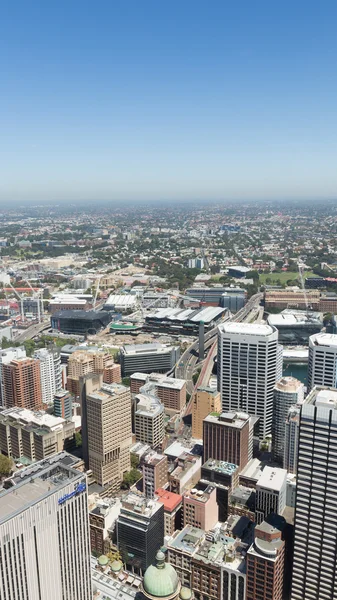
pixel 32 331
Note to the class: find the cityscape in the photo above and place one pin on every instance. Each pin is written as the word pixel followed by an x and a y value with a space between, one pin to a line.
pixel 168 300
pixel 168 402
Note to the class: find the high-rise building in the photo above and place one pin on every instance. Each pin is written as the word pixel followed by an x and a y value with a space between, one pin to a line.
pixel 22 383
pixel 271 493
pixel 315 562
pixel 63 404
pixel 322 365
pixel 140 531
pixel 266 561
pixel 228 437
pixel 171 391
pixel 200 508
pixel 50 373
pixel 155 472
pixel 91 360
pixel 6 356
pixel 44 529
pixel 106 429
pixel 249 365
pixel 287 392
pixel 205 401
pixel 149 420
pixel 146 358
pixel 291 435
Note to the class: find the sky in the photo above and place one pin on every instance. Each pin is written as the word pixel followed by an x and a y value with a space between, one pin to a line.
pixel 156 100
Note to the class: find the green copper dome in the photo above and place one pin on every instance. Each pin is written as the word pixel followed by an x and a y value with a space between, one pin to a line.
pixel 103 560
pixel 116 566
pixel 161 580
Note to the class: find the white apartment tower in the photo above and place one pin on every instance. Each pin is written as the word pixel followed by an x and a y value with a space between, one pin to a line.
pixel 6 356
pixel 315 557
pixel 44 532
pixel 249 365
pixel 322 365
pixel 50 369
pixel 149 420
pixel 287 392
pixel 291 435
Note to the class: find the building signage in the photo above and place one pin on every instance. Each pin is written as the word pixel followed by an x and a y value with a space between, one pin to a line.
pixel 80 488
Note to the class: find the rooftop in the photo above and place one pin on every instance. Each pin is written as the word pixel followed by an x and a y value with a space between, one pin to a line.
pixel 169 499
pixel 272 478
pixel 187 540
pixel 323 339
pixel 288 385
pixel 160 380
pixel 134 349
pixel 247 329
pixel 24 416
pixel 228 419
pixel 220 466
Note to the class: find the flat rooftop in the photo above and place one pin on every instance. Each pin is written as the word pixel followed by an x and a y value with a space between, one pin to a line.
pixel 169 499
pixel 229 419
pixel 324 339
pixel 220 466
pixel 33 484
pixel 134 349
pixel 187 540
pixel 40 418
pixel 252 470
pixel 160 380
pixel 247 329
pixel 272 478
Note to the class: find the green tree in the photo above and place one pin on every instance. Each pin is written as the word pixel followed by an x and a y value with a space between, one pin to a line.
pixel 130 478
pixel 78 439
pixel 134 461
pixel 6 465
pixel 126 381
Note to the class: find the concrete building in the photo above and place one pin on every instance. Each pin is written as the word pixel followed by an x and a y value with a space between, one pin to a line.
pixel 67 302
pixel 314 561
pixel 50 373
pixel 200 508
pixel 249 365
pixel 155 472
pixel 228 437
pixel 185 474
pixel 63 405
pixel 33 435
pixel 287 392
pixel 205 401
pixel 44 528
pixel 225 478
pixel 103 515
pixel 171 391
pixel 140 531
pixel 266 561
pixel 106 429
pixel 147 358
pixel 22 383
pixel 271 493
pixel 91 360
pixel 149 420
pixel 292 298
pixel 291 435
pixel 322 365
pixel 172 510
pixel 6 356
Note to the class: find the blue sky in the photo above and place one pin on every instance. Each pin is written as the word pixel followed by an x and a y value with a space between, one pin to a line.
pixel 150 100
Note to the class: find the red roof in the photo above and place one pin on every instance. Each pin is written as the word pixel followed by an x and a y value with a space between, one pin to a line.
pixel 169 499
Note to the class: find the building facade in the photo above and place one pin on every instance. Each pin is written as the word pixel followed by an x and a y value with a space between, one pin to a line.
pixel 265 562
pixel 271 493
pixel 6 356
pixel 205 401
pixel 228 437
pixel 287 392
pixel 146 358
pixel 22 384
pixel 249 365
pixel 149 420
pixel 322 365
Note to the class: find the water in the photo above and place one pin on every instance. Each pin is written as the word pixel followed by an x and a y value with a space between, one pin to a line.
pixel 297 370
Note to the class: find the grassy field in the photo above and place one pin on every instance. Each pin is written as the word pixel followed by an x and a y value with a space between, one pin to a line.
pixel 283 277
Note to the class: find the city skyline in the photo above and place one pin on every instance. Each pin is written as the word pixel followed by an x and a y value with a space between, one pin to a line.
pixel 183 103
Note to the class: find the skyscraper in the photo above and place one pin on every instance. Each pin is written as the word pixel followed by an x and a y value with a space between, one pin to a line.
pixel 315 556
pixel 106 428
pixel 44 530
pixel 249 365
pixel 6 356
pixel 22 383
pixel 228 437
pixel 50 373
pixel 287 392
pixel 322 365
pixel 205 401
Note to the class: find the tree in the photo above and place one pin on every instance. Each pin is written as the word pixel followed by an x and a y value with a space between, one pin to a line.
pixel 114 555
pixel 134 461
pixel 78 439
pixel 130 478
pixel 126 381
pixel 6 465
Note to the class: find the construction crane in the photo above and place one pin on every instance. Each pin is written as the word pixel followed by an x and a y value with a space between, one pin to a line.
pixel 97 288
pixel 36 294
pixel 20 299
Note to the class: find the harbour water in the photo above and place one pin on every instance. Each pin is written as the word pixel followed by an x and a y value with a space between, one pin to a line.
pixel 297 370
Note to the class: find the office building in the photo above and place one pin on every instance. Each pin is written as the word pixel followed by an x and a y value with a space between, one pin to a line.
pixel 271 493
pixel 91 360
pixel 140 531
pixel 200 507
pixel 50 373
pixel 287 392
pixel 33 435
pixel 205 401
pixel 172 510
pixel 225 478
pixel 155 472
pixel 6 356
pixel 228 437
pixel 249 365
pixel 44 528
pixel 146 358
pixel 149 420
pixel 322 365
pixel 171 391
pixel 234 299
pixel 106 429
pixel 213 295
pixel 314 562
pixel 22 383
pixel 266 561
pixel 295 326
pixel 292 298
pixel 80 322
pixel 185 474
pixel 291 435
pixel 63 405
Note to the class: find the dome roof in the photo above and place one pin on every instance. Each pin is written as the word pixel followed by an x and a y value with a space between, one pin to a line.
pixel 185 593
pixel 116 566
pixel 161 580
pixel 103 560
